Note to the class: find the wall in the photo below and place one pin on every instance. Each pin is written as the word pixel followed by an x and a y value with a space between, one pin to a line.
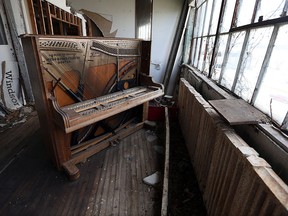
pixel 121 13
pixel 164 23
pixel 166 14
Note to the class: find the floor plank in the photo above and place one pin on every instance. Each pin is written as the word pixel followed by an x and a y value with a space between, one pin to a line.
pixel 110 182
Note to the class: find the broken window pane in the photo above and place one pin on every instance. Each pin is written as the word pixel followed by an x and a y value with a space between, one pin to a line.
pixel 245 12
pixel 219 57
pixel 269 10
pixel 252 62
pixel 273 93
pixel 207 18
pixel 208 55
pixel 202 53
pixel 233 57
pixel 215 19
pixel 228 14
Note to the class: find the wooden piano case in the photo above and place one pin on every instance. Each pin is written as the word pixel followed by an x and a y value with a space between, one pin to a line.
pixel 88 92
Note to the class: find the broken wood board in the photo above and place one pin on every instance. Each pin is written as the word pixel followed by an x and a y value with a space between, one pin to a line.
pixel 101 22
pixel 237 111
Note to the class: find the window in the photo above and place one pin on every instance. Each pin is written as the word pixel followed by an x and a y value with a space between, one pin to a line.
pixel 248 53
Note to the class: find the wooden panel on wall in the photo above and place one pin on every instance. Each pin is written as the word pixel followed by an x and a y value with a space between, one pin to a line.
pixel 233 178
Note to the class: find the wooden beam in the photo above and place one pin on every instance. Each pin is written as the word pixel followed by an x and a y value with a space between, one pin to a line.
pixel 41 17
pixel 32 16
pixel 165 192
pixel 49 18
pixel 145 111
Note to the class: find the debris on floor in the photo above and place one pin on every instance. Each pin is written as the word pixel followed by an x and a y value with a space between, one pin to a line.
pixel 16 117
pixel 153 179
pixel 151 136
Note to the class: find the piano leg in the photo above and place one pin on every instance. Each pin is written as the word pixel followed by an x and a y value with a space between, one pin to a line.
pixel 145 111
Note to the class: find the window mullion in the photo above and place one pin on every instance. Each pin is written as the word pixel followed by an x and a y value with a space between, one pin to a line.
pixel 211 17
pixel 225 60
pixel 208 33
pixel 199 55
pixel 256 6
pixel 216 42
pixel 235 13
pixel 238 70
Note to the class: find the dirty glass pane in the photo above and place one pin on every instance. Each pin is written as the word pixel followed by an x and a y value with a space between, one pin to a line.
pixel 245 12
pixel 252 62
pixel 233 57
pixel 215 19
pixel 196 27
pixel 201 19
pixel 202 53
pixel 219 57
pixel 228 14
pixel 195 61
pixel 273 93
pixel 193 51
pixel 208 55
pixel 270 9
pixel 207 18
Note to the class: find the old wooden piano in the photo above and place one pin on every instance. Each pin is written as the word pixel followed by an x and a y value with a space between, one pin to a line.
pixel 89 92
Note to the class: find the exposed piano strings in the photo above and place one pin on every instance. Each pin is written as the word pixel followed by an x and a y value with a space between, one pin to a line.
pixel 78 95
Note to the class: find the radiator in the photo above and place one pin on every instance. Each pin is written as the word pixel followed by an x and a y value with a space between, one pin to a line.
pixel 233 178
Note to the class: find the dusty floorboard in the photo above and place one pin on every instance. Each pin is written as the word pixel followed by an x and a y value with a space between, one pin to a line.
pixel 110 182
pixel 13 138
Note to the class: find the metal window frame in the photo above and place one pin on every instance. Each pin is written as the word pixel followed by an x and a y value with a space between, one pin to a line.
pixel 201 34
pixel 208 33
pixel 265 63
pixel 276 23
pixel 244 47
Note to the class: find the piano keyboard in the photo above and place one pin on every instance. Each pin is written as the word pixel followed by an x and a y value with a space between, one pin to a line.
pixel 85 113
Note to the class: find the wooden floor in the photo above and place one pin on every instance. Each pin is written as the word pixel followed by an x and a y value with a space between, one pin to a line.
pixel 13 139
pixel 110 182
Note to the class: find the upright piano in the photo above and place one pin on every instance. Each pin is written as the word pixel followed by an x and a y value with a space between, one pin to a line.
pixel 89 92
